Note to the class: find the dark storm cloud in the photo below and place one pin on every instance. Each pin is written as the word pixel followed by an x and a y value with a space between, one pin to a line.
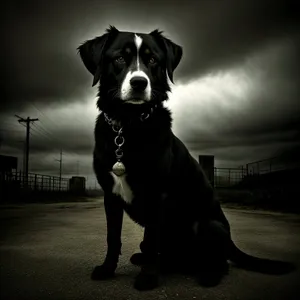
pixel 41 67
pixel 41 37
pixel 43 81
pixel 225 32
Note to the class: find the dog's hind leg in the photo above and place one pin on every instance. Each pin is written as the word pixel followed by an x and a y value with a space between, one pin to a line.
pixel 212 251
pixel 148 277
pixel 175 254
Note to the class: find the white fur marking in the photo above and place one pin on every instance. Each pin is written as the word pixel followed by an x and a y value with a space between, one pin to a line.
pixel 122 188
pixel 138 42
pixel 126 89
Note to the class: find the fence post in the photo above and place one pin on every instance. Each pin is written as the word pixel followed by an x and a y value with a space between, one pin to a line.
pixel 215 171
pixel 35 180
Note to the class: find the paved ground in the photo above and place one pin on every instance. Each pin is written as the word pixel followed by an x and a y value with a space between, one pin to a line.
pixel 48 252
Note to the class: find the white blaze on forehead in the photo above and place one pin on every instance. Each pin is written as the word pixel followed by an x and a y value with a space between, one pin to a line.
pixel 138 42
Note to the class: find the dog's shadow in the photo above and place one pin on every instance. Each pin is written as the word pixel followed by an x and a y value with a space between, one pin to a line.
pixel 127 273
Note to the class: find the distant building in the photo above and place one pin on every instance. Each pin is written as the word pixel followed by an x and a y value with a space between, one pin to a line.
pixel 77 184
pixel 8 181
pixel 8 163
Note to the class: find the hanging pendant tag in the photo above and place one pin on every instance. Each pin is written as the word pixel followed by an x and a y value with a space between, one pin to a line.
pixel 118 168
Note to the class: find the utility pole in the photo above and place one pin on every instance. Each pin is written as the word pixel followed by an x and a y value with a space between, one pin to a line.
pixel 27 121
pixel 60 168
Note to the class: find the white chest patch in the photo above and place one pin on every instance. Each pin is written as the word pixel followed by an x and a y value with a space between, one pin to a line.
pixel 122 188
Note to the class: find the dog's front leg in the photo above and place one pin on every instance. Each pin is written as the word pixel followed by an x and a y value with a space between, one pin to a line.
pixel 114 220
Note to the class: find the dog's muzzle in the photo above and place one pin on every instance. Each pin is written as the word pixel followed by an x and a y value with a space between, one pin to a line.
pixel 136 88
pixel 138 85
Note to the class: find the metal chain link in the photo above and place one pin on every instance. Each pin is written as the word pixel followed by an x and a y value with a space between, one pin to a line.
pixel 119 139
pixel 119 142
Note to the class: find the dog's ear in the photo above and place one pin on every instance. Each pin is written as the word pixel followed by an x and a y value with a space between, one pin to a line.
pixel 173 52
pixel 91 52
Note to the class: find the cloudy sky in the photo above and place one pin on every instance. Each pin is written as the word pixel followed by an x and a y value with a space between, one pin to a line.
pixel 236 92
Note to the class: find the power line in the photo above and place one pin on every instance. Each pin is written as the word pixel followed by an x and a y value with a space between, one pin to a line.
pixel 43 129
pixel 36 129
pixel 50 134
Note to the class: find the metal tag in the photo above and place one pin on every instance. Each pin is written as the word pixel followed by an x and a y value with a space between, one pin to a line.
pixel 118 168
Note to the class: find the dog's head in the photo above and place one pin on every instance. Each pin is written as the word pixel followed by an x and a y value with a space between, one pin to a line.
pixel 132 67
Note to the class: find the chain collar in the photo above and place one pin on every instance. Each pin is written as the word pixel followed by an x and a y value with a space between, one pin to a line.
pixel 119 168
pixel 142 117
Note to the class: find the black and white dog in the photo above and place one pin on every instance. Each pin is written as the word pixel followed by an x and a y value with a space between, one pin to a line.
pixel 147 171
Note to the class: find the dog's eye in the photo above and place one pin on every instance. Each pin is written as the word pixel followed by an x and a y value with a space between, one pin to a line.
pixel 152 61
pixel 120 60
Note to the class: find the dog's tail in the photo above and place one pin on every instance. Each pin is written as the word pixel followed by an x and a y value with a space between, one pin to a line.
pixel 261 265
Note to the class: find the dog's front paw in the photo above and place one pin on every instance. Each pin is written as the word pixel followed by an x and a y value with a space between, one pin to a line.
pixel 103 272
pixel 146 281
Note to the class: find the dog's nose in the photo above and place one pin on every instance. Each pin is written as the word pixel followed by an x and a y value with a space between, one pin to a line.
pixel 138 83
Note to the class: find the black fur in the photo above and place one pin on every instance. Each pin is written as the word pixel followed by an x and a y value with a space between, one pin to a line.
pixel 170 189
